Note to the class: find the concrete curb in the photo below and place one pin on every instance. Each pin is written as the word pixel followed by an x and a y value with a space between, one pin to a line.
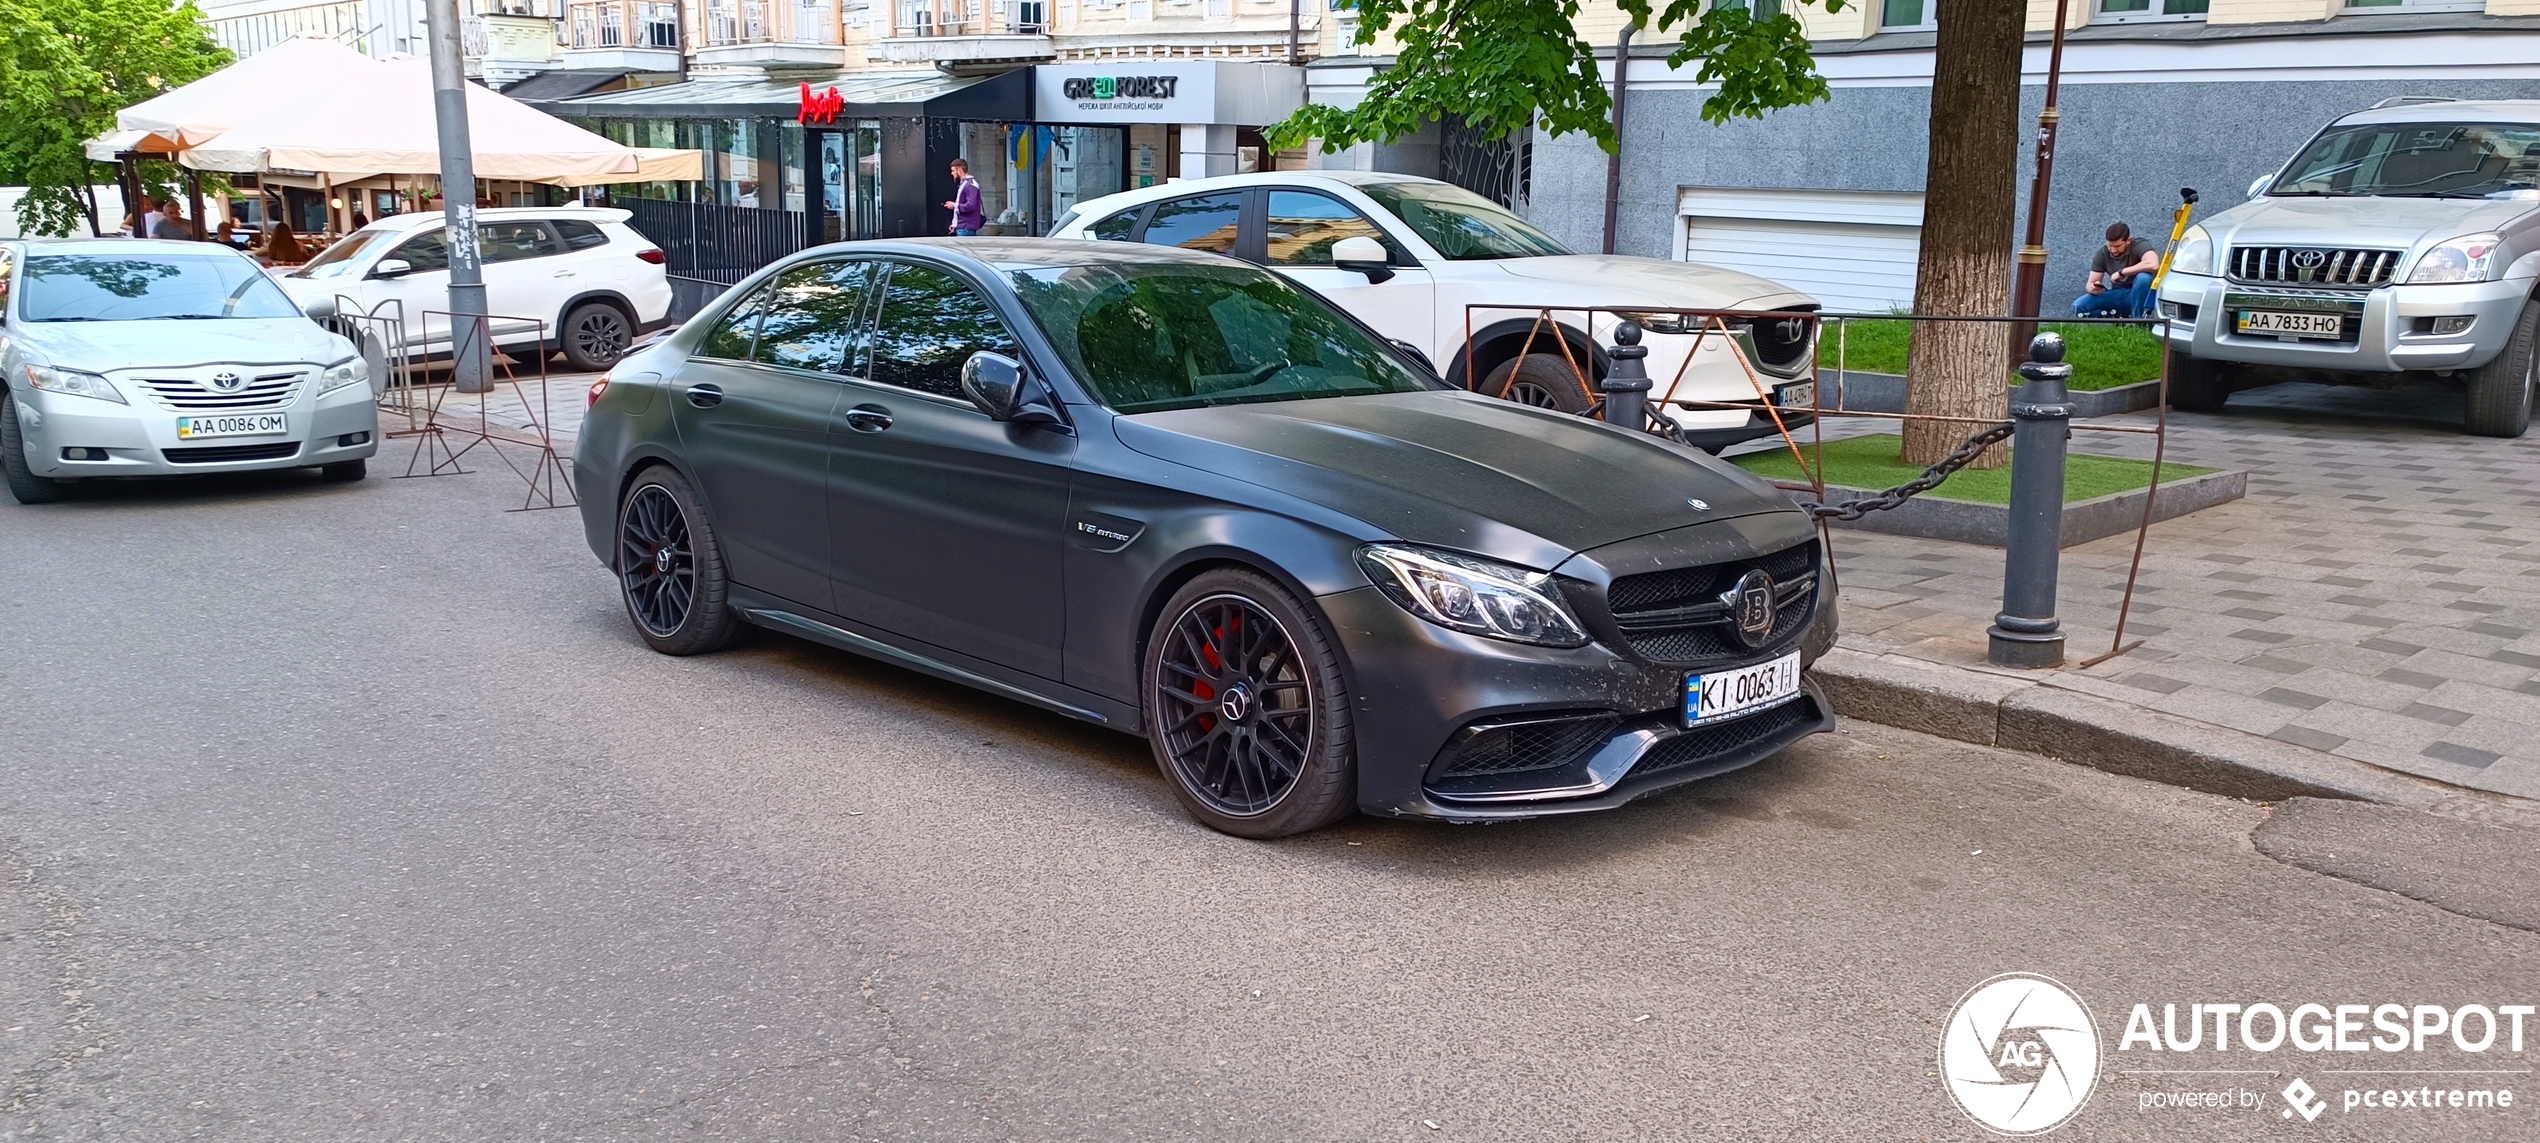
pixel 1936 517
pixel 2037 717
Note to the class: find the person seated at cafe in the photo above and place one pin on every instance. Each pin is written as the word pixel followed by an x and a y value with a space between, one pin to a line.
pixel 170 223
pixel 226 233
pixel 280 247
pixel 2121 273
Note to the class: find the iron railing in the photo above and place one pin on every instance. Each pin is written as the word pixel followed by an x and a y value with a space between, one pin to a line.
pixel 626 24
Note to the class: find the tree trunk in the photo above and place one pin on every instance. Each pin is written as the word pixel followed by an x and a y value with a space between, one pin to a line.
pixel 1970 195
pixel 88 201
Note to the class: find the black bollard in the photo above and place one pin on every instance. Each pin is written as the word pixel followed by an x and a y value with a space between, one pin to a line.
pixel 2026 633
pixel 1627 380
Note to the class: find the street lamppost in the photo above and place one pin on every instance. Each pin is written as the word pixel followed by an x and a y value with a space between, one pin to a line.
pixel 469 353
pixel 2031 277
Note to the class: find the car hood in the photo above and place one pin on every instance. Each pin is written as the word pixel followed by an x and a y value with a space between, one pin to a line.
pixel 1619 280
pixel 100 346
pixel 2383 223
pixel 1459 471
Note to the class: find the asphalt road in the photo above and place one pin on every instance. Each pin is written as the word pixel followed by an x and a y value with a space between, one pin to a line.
pixel 356 812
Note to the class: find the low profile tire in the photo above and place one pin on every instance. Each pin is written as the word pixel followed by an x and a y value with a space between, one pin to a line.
pixel 670 568
pixel 2501 391
pixel 2196 386
pixel 345 471
pixel 596 334
pixel 1543 380
pixel 1246 708
pixel 23 482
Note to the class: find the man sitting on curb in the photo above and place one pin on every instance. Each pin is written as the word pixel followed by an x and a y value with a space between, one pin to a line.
pixel 2120 276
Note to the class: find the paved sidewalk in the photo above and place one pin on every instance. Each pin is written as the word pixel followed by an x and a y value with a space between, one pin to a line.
pixel 2376 595
pixel 517 407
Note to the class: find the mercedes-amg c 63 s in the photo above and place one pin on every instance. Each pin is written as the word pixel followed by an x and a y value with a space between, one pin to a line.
pixel 1175 494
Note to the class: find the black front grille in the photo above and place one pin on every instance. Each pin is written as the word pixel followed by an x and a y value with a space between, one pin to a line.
pixel 221 454
pixel 1675 616
pixel 1507 748
pixel 1706 743
pixel 2313 266
pixel 1782 341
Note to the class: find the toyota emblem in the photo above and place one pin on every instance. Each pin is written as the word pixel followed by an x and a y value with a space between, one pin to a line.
pixel 227 382
pixel 1750 606
pixel 2309 259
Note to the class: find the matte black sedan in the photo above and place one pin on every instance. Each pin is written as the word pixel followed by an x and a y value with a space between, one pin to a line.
pixel 1174 494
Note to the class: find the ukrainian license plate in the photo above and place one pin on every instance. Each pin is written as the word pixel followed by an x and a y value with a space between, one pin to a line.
pixel 2282 323
pixel 1716 696
pixel 232 425
pixel 1798 395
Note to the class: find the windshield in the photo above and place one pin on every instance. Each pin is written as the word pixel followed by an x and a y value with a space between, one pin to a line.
pixel 1462 225
pixel 1147 337
pixel 2420 160
pixel 338 259
pixel 147 287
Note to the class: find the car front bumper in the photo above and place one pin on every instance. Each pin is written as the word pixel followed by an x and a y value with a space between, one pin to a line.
pixel 1418 684
pixel 140 439
pixel 2384 321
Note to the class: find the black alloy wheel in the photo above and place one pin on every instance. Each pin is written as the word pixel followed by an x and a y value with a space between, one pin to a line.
pixel 1543 380
pixel 596 334
pixel 670 569
pixel 1245 710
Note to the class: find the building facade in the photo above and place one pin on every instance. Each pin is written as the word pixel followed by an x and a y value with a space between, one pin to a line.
pixel 2156 95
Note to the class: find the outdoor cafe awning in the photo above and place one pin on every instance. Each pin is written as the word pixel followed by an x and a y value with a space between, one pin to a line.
pixel 299 70
pixel 387 127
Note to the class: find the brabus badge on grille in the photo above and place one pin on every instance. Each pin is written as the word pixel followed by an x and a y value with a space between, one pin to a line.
pixel 1750 606
pixel 226 381
pixel 1699 506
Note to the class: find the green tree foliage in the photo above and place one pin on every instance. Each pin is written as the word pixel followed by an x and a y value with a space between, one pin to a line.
pixel 66 67
pixel 1501 64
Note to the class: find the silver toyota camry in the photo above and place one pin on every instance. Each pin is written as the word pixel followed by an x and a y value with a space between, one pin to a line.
pixel 137 358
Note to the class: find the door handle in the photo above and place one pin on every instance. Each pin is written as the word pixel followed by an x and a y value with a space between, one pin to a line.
pixel 705 396
pixel 868 418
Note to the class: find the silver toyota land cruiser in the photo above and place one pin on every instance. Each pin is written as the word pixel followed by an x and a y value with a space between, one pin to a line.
pixel 2401 245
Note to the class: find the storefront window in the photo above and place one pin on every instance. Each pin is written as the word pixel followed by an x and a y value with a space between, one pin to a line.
pixel 1030 174
pixel 850 184
pixel 735 158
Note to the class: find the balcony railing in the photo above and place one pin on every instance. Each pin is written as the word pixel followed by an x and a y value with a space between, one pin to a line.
pixel 921 18
pixel 627 24
pixel 730 22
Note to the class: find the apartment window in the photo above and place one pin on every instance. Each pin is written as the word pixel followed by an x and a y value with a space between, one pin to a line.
pixel 1759 9
pixel 2134 11
pixel 1907 15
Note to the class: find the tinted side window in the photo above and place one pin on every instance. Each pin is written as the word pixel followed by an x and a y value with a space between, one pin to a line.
pixel 511 241
pixel 580 235
pixel 424 252
pixel 1117 227
pixel 1303 225
pixel 815 317
pixel 1203 223
pixel 731 337
pixel 931 322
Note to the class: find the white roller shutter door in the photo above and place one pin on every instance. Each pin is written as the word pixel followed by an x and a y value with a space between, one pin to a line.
pixel 1853 251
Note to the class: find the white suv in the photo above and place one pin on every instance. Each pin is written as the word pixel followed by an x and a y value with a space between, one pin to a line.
pixel 1408 256
pixel 581 273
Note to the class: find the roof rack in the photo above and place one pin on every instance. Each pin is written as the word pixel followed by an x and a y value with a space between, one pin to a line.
pixel 2405 100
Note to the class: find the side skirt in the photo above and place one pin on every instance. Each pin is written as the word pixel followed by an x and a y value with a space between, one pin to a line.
pixel 828 633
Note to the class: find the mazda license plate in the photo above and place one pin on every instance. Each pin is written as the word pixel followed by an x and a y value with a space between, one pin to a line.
pixel 1715 696
pixel 232 425
pixel 1799 395
pixel 2283 323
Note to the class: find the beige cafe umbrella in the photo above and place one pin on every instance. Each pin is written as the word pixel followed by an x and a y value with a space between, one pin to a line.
pixel 299 70
pixel 386 128
pixel 655 165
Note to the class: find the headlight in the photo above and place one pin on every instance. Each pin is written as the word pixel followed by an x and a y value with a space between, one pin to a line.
pixel 2468 258
pixel 1473 595
pixel 73 382
pixel 350 371
pixel 2195 253
pixel 1664 323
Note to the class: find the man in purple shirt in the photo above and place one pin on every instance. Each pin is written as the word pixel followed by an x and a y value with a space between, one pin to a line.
pixel 964 204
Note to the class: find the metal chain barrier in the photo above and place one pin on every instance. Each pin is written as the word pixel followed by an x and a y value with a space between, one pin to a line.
pixel 1958 458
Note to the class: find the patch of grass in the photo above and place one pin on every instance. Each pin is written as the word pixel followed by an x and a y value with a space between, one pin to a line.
pixel 2102 356
pixel 1871 462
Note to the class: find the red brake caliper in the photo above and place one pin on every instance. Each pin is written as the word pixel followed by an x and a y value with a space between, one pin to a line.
pixel 1200 689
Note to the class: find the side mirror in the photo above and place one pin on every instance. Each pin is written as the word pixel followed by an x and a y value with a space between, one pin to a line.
pixel 1363 255
pixel 2260 187
pixel 392 268
pixel 1413 352
pixel 1000 388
